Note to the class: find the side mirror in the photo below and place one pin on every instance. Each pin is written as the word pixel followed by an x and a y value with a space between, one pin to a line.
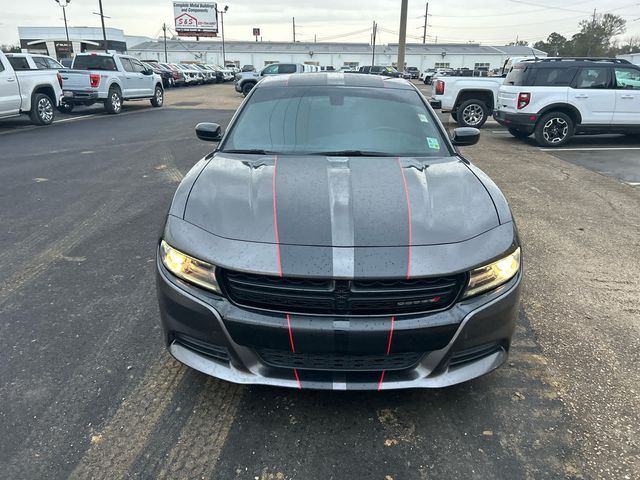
pixel 209 132
pixel 465 136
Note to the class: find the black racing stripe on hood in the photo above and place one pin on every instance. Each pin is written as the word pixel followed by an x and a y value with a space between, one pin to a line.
pixel 308 220
pixel 379 202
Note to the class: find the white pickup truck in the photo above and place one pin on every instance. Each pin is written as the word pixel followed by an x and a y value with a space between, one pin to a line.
pixel 110 79
pixel 470 100
pixel 33 92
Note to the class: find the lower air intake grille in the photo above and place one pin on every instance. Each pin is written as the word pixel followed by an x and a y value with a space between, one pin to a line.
pixel 339 362
pixel 203 348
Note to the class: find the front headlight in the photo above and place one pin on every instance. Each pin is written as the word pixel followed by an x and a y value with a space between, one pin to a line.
pixel 188 268
pixel 493 275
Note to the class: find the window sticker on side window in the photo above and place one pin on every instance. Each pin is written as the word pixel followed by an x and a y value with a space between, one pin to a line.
pixel 433 143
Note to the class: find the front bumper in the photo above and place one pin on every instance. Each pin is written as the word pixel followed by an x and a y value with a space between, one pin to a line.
pixel 210 334
pixel 525 122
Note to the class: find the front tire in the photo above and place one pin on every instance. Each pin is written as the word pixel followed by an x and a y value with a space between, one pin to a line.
pixel 113 103
pixel 42 110
pixel 246 88
pixel 472 113
pixel 519 133
pixel 158 97
pixel 554 129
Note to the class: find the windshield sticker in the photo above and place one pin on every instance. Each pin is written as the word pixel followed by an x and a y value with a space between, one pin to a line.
pixel 433 143
pixel 423 118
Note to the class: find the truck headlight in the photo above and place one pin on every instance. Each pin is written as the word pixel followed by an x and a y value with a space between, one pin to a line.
pixel 189 269
pixel 493 275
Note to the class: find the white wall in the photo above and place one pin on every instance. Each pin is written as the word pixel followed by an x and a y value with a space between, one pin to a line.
pixel 383 57
pixel 633 58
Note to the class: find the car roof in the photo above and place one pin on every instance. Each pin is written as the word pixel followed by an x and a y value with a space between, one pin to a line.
pixel 567 62
pixel 318 79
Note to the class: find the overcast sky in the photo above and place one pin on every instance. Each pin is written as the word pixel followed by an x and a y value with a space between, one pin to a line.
pixel 488 21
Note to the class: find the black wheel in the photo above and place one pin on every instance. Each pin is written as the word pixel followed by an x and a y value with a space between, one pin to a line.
pixel 113 103
pixel 42 110
pixel 472 113
pixel 246 88
pixel 158 97
pixel 554 129
pixel 454 115
pixel 518 133
pixel 65 107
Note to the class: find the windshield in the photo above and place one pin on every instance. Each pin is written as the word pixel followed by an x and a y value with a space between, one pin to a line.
pixel 321 119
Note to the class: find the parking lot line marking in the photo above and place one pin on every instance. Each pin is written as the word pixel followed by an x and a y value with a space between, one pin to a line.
pixel 633 184
pixel 587 149
pixel 75 119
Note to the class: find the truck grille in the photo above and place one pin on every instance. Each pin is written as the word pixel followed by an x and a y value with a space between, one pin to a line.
pixel 339 362
pixel 341 297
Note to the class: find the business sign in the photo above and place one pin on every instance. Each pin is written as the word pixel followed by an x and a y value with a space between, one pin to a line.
pixel 256 32
pixel 195 19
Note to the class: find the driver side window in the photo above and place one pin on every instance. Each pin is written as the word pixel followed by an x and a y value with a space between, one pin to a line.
pixel 137 66
pixel 126 64
pixel 271 69
pixel 627 78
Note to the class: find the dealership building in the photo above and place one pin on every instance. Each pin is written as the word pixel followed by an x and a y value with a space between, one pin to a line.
pixel 52 41
pixel 336 54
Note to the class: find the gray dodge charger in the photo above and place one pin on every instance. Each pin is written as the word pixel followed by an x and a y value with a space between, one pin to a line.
pixel 336 239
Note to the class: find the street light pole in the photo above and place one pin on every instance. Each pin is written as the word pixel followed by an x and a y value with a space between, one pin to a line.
pixel 104 31
pixel 224 55
pixel 63 4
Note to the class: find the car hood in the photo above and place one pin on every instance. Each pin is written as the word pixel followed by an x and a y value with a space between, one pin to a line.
pixel 340 201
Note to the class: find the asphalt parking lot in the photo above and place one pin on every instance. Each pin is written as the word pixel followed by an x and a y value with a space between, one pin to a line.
pixel 89 392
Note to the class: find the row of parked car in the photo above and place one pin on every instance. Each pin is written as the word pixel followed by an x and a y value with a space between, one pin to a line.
pixel 179 74
pixel 37 85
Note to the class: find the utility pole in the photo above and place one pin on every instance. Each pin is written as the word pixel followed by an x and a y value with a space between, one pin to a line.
pixel 104 31
pixel 375 29
pixel 164 29
pixel 294 29
pixel 424 33
pixel 402 41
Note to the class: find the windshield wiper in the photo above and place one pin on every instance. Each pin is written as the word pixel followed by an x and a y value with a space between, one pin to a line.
pixel 353 153
pixel 254 151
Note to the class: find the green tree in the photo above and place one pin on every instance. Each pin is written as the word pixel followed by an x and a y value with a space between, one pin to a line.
pixel 556 45
pixel 595 38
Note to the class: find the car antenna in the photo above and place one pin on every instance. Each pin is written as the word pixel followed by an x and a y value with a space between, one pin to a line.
pixel 533 50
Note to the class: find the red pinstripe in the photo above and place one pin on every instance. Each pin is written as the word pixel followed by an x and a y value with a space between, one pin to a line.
pixel 393 319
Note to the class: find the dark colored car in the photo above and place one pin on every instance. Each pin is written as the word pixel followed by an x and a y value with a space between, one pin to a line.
pixel 176 73
pixel 336 239
pixel 248 68
pixel 167 77
pixel 380 70
pixel 413 71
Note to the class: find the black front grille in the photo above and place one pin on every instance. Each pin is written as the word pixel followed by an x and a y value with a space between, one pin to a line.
pixel 339 362
pixel 341 297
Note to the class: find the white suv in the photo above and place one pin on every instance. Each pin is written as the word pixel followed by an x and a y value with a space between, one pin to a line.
pixel 555 98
